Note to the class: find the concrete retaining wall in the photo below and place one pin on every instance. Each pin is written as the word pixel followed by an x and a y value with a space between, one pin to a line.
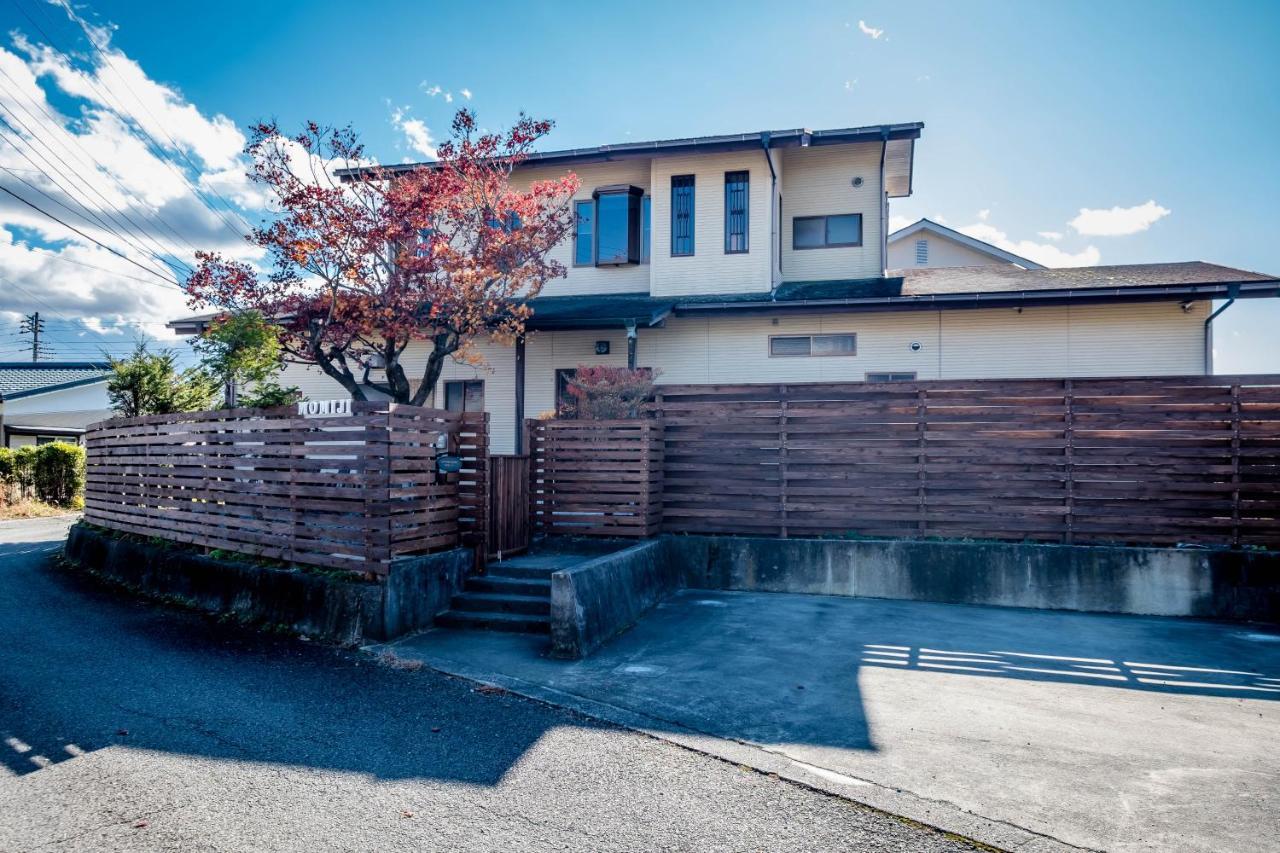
pixel 601 598
pixel 334 610
pixel 1243 585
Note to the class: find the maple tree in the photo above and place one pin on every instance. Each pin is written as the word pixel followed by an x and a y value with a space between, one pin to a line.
pixel 444 253
pixel 601 392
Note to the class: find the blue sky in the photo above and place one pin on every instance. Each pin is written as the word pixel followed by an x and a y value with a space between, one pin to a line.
pixel 1033 111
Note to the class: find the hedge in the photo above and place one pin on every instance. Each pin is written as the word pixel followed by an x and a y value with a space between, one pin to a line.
pixel 53 473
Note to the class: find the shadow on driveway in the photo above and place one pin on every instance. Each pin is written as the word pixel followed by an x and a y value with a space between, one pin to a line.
pixel 83 667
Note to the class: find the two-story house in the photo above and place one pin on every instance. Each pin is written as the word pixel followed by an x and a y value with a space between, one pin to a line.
pixel 762 257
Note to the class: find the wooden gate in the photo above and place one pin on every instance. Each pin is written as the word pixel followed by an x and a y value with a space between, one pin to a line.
pixel 509 527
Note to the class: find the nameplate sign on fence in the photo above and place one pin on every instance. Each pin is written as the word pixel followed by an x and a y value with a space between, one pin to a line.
pixel 324 408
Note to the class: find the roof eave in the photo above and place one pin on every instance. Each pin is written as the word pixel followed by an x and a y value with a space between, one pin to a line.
pixel 1000 299
pixel 50 389
pixel 694 145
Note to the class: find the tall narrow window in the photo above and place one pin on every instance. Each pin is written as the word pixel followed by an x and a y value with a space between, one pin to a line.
pixel 736 186
pixel 584 244
pixel 645 229
pixel 682 220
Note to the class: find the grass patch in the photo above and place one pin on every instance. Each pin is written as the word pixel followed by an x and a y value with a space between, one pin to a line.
pixel 30 508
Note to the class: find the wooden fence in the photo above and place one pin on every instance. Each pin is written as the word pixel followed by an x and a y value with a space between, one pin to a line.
pixel 1144 460
pixel 348 492
pixel 596 478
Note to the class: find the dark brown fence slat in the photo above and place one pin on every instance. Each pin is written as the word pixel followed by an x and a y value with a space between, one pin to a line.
pixel 336 492
pixel 596 478
pixel 1126 459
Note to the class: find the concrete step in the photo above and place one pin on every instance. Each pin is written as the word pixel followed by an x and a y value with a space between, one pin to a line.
pixel 500 602
pixel 504 570
pixel 519 623
pixel 510 586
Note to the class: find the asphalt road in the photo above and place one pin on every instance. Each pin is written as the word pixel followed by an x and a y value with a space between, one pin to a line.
pixel 127 726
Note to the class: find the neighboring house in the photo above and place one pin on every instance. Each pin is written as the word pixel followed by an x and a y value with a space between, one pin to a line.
pixel 762 257
pixel 925 243
pixel 51 400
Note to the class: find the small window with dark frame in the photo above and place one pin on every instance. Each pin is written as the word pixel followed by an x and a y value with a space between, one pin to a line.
pixel 682 215
pixel 892 376
pixel 826 232
pixel 584 243
pixel 618 225
pixel 736 209
pixel 464 395
pixel 789 346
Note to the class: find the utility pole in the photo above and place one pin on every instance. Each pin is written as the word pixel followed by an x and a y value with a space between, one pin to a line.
pixel 33 325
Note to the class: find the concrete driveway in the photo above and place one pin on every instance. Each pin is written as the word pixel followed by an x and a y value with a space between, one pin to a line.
pixel 130 727
pixel 1017 727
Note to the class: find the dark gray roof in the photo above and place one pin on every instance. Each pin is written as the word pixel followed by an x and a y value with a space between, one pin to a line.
pixel 25 378
pixel 791 138
pixel 905 290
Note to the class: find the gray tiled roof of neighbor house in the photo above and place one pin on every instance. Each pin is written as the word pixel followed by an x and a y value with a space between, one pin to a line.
pixel 25 378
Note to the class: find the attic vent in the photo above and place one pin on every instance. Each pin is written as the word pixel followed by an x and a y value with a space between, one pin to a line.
pixel 922 253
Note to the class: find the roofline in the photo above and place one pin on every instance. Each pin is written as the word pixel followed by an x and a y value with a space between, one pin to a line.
pixel 49 389
pixel 926 224
pixel 55 365
pixel 1000 299
pixel 795 138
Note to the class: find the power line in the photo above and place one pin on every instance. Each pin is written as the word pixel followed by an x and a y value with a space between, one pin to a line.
pixel 118 254
pixel 76 175
pixel 113 104
pixel 89 162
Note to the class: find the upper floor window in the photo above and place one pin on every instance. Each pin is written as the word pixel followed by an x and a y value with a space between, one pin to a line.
pixel 826 232
pixel 813 345
pixel 736 191
pixel 584 225
pixel 617 225
pixel 607 229
pixel 682 220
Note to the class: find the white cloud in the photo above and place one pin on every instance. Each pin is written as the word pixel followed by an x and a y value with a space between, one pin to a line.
pixel 430 91
pixel 1041 253
pixel 897 223
pixel 849 84
pixel 1118 221
pixel 416 133
pixel 1051 235
pixel 466 93
pixel 984 214
pixel 133 158
pixel 869 31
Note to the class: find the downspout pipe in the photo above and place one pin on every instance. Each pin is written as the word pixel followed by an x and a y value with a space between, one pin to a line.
pixel 884 208
pixel 1233 291
pixel 773 197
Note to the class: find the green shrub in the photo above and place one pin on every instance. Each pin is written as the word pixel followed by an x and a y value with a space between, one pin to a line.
pixel 58 472
pixel 24 467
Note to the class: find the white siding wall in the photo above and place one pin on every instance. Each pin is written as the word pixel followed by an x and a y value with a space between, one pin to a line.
pixel 583 280
pixel 1137 339
pixel 819 182
pixel 942 253
pixel 709 269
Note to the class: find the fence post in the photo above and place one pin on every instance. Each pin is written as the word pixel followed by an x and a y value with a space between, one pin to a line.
pixel 782 460
pixel 1235 465
pixel 1069 434
pixel 922 416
